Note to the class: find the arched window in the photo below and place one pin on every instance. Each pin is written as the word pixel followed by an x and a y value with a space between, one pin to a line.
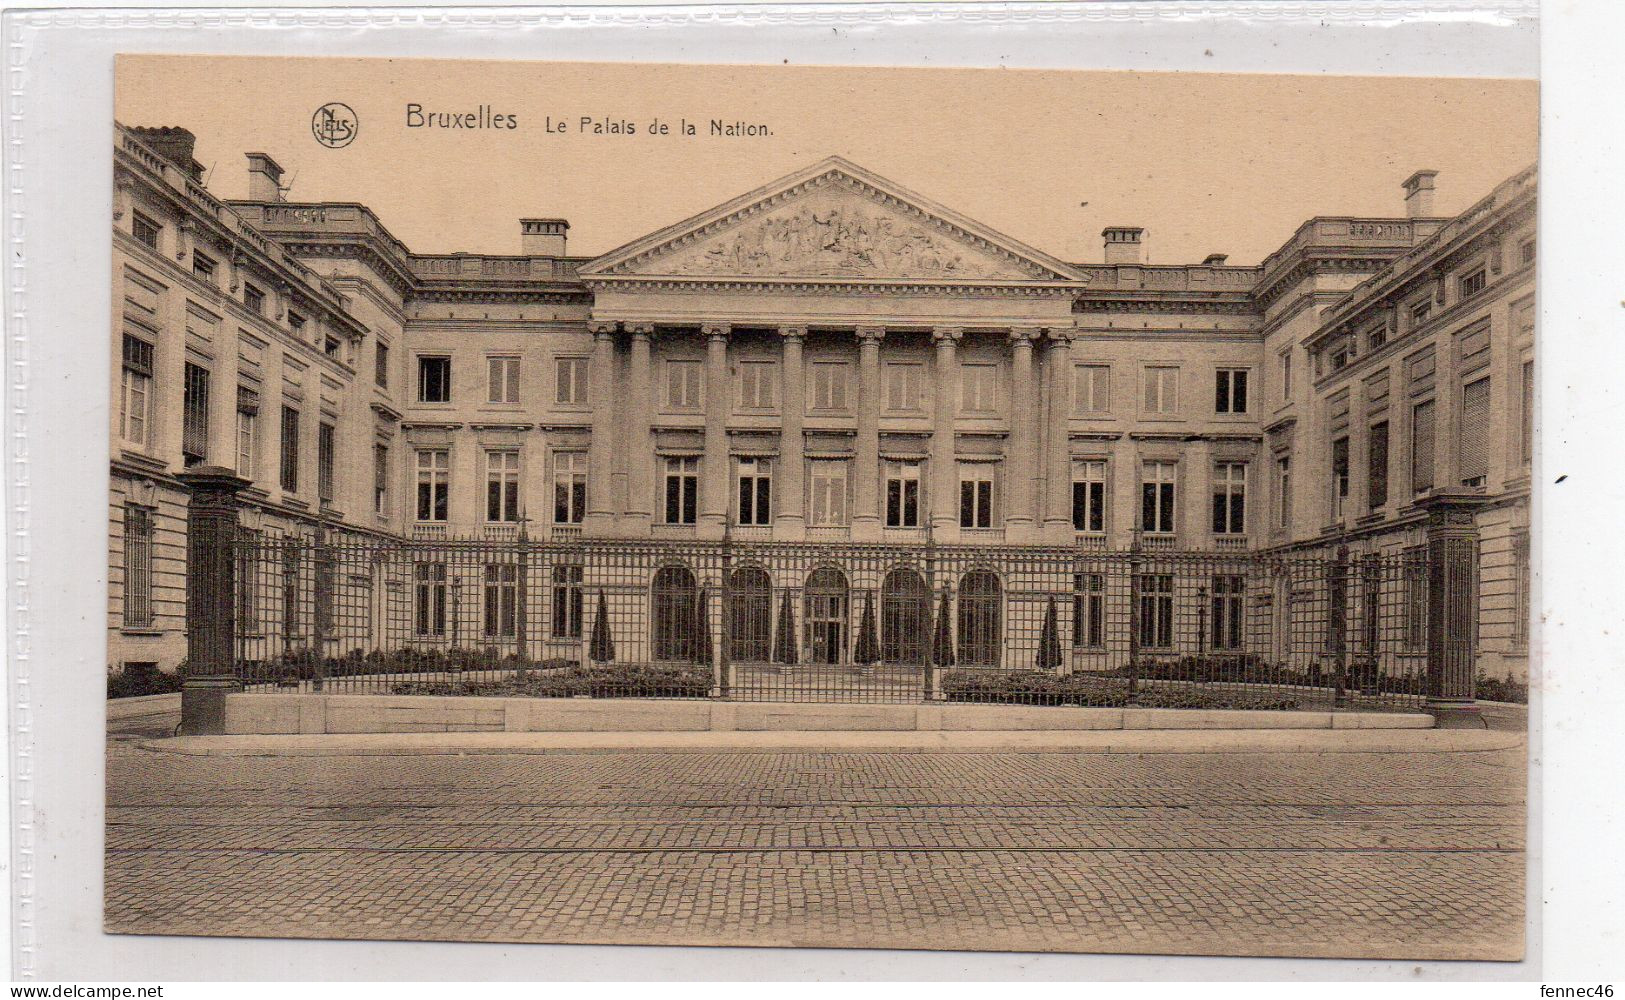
pixel 981 619
pixel 750 614
pixel 827 610
pixel 905 617
pixel 674 634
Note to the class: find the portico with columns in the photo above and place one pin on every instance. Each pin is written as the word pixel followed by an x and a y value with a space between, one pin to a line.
pixel 832 325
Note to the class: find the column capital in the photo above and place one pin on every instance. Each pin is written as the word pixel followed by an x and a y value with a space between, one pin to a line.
pixel 602 327
pixel 716 331
pixel 640 331
pixel 1025 334
pixel 873 334
pixel 1061 336
pixel 949 334
pixel 796 333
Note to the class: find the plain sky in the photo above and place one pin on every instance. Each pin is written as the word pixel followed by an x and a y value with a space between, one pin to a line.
pixel 1207 163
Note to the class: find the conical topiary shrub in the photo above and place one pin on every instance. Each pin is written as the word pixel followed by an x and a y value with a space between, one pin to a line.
pixel 942 648
pixel 1049 639
pixel 784 642
pixel 702 628
pixel 602 646
pixel 868 647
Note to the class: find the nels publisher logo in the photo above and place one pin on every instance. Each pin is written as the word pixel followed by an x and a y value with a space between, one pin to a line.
pixel 335 125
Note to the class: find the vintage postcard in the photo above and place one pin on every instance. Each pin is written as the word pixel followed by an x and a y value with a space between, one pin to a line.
pixel 794 506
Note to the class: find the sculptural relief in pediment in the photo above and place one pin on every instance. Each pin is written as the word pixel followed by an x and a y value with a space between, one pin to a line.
pixel 836 231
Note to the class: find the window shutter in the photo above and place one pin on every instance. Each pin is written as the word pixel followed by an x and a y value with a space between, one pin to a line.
pixel 1475 416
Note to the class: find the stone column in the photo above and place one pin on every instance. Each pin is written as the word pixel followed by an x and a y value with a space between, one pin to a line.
pixel 1452 554
pixel 944 459
pixel 1023 491
pixel 211 564
pixel 866 509
pixel 638 450
pixel 600 518
pixel 1058 506
pixel 714 471
pixel 790 517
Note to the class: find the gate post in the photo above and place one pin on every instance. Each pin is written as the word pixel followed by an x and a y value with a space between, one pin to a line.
pixel 211 592
pixel 1452 620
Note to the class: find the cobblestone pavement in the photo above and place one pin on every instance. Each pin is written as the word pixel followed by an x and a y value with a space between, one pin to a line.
pixel 1401 855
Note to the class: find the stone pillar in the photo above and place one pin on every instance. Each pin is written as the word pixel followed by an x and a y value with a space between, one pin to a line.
pixel 1193 497
pixel 1452 554
pixel 714 472
pixel 1025 486
pixel 944 458
pixel 600 517
pixel 638 450
pixel 211 590
pixel 1058 506
pixel 866 508
pixel 791 517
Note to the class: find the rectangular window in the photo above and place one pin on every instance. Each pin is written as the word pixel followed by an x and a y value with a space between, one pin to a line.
pixel 1340 358
pixel 902 494
pixel 145 230
pixel 1089 496
pixel 434 484
pixel 976 496
pixel 1474 436
pixel 326 454
pixel 1526 431
pixel 1422 447
pixel 254 299
pixel 828 385
pixel 1526 252
pixel 330 346
pixel 1091 389
pixel 502 380
pixel 292 597
pixel 1161 389
pixel 502 486
pixel 570 381
pixel 434 379
pixel 1230 498
pixel 1416 597
pixel 429 599
pixel 1229 591
pixel 1286 375
pixel 195 415
pixel 137 567
pixel 978 388
pixel 296 323
pixel 1156 610
pixel 1520 591
pixel 380 364
pixel 1340 476
pixel 755 491
pixel 757 380
pixel 904 383
pixel 684 385
pixel 248 584
pixel 1377 465
pixel 1472 283
pixel 135 390
pixel 1283 491
pixel 501 600
pixel 682 490
pixel 569 487
pixel 1230 390
pixel 567 602
pixel 203 267
pixel 1157 497
pixel 380 478
pixel 290 450
pixel 1089 610
pixel 248 413
pixel 1376 336
pixel 1421 311
pixel 827 483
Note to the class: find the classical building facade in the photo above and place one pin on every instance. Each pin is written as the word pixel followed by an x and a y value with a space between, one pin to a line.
pixel 830 358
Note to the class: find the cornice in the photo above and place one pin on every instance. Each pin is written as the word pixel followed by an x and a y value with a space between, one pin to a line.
pixel 822 286
pixel 1218 307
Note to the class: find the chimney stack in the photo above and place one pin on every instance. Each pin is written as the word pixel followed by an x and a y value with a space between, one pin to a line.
pixel 1123 244
pixel 174 144
pixel 1419 194
pixel 542 237
pixel 264 178
pixel 1215 260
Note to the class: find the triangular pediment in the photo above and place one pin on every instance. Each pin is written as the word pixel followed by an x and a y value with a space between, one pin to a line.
pixel 832 222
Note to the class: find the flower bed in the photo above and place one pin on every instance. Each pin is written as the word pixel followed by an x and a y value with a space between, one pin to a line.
pixel 1037 687
pixel 616 680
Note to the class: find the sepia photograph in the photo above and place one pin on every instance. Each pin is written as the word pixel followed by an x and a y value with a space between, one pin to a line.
pixel 839 507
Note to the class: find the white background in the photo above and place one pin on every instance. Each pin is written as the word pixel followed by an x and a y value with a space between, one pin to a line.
pixel 58 203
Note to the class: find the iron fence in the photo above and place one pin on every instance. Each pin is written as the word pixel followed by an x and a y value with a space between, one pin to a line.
pixel 777 621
